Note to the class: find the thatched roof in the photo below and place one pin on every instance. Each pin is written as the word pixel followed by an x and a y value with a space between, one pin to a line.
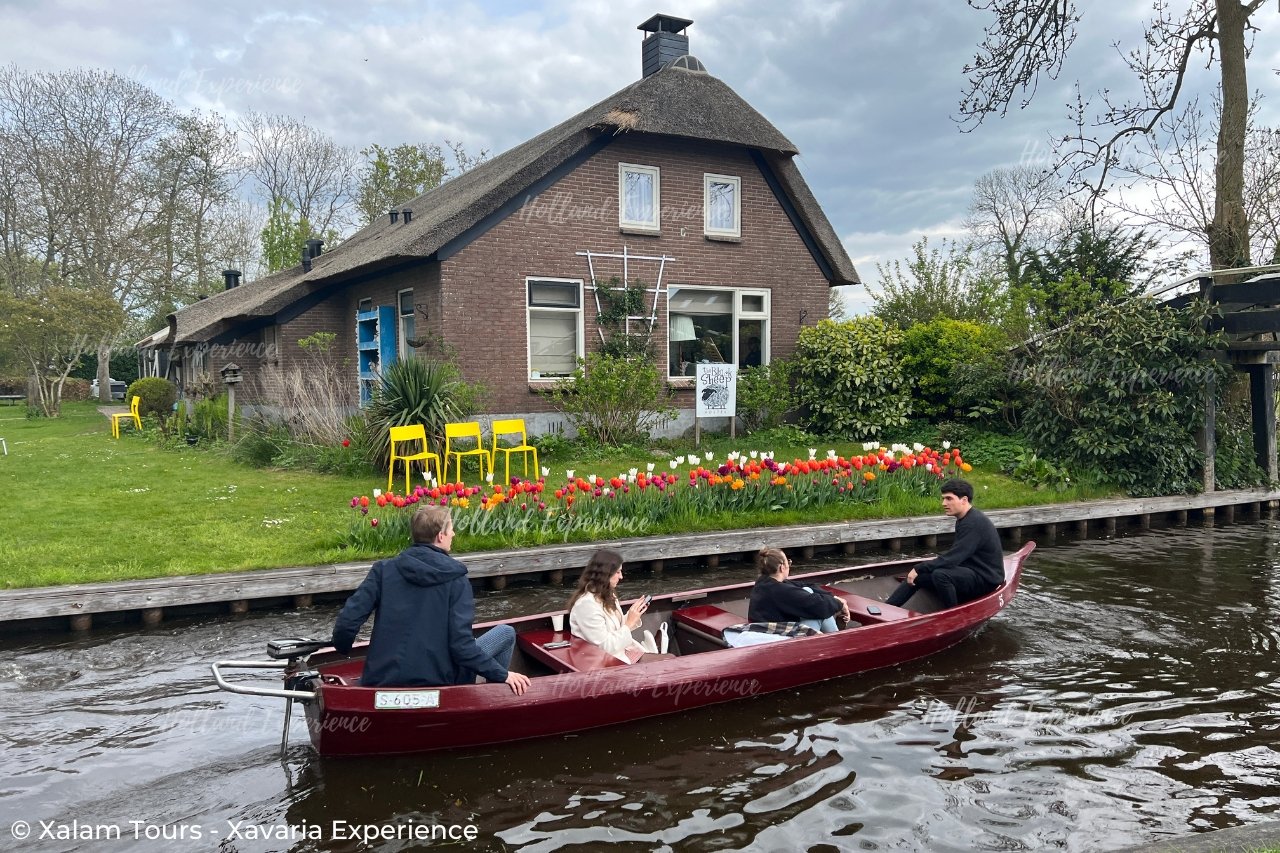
pixel 672 102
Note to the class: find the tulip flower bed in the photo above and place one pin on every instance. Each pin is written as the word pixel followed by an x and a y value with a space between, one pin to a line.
pixel 635 503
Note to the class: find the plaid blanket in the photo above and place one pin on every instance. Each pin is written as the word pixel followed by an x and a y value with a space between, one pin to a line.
pixel 785 629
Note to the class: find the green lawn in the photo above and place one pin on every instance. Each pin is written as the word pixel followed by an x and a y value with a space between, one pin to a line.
pixel 82 507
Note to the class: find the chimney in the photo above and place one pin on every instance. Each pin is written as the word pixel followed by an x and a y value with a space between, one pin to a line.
pixel 395 214
pixel 408 215
pixel 666 42
pixel 231 278
pixel 313 247
pixel 306 259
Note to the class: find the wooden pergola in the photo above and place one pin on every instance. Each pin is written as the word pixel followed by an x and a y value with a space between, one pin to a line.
pixel 1249 300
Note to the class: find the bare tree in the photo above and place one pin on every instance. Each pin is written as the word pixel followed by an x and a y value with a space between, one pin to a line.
pixel 296 163
pixel 80 141
pixel 1169 183
pixel 1012 215
pixel 196 170
pixel 1030 38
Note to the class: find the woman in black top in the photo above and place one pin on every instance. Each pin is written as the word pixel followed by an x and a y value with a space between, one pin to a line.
pixel 776 599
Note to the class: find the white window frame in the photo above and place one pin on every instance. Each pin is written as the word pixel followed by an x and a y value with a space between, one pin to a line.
pixel 739 314
pixel 402 339
pixel 652 225
pixel 531 309
pixel 736 183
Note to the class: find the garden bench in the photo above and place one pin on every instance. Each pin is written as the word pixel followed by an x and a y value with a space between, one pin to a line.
pixel 578 656
pixel 13 398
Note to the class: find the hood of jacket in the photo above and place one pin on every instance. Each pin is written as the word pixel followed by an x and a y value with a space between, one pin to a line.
pixel 427 565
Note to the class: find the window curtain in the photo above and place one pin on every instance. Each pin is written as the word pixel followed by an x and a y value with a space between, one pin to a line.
pixel 638 203
pixel 553 342
pixel 720 211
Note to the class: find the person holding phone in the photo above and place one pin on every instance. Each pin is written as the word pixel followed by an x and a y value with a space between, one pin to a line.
pixel 595 616
pixel 777 599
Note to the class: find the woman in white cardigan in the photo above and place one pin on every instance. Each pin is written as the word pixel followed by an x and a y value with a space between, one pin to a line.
pixel 594 614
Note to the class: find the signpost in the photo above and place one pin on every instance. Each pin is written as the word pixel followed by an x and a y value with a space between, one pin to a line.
pixel 715 396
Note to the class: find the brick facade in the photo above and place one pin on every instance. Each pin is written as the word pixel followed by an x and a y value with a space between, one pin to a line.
pixel 474 303
pixel 485 312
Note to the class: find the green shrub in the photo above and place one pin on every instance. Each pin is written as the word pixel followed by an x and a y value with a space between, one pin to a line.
pixel 73 390
pixel 932 351
pixel 209 418
pixel 415 391
pixel 1120 391
pixel 849 380
pixel 614 401
pixel 158 396
pixel 1235 464
pixel 765 396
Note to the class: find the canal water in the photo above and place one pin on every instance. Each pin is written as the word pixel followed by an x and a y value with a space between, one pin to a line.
pixel 1130 693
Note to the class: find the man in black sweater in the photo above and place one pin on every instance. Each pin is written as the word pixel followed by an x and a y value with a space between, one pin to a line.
pixel 972 568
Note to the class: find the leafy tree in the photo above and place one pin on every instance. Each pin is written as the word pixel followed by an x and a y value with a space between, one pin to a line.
pixel 49 332
pixel 944 282
pixel 1030 38
pixel 284 236
pixel 1086 267
pixel 848 378
pixel 392 176
pixel 1120 392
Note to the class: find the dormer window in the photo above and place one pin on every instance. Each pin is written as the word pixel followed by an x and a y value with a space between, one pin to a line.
pixel 639 198
pixel 722 206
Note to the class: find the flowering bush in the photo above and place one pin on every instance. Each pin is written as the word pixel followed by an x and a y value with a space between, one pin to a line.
pixel 637 502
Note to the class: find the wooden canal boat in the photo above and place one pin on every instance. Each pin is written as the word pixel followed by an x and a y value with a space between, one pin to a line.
pixel 577 686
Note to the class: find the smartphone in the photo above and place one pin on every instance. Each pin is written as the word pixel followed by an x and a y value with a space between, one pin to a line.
pixel 646 599
pixel 558 644
pixel 873 610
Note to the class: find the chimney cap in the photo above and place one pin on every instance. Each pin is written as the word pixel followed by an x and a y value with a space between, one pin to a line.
pixel 665 24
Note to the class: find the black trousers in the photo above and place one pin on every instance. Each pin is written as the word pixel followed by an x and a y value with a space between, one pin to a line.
pixel 952 586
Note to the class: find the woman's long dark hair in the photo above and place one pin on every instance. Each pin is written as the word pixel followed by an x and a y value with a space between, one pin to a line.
pixel 595 579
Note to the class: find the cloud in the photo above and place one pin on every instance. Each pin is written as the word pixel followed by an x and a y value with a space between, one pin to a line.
pixel 865 90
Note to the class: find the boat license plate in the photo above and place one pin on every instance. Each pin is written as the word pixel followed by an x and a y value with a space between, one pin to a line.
pixel 398 700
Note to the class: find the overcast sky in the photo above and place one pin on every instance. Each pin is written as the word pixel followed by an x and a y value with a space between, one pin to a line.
pixel 865 88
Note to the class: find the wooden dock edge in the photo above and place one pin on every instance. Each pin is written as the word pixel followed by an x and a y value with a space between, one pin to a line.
pixel 298 585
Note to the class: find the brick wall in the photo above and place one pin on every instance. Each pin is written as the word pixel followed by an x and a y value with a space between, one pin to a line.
pixel 484 307
pixel 474 303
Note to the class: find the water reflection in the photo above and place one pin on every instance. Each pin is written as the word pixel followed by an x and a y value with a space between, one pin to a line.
pixel 1130 693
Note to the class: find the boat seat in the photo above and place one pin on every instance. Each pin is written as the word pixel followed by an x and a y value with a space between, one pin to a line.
pixel 702 626
pixel 578 656
pixel 858 605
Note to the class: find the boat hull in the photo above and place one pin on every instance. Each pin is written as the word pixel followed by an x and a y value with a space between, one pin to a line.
pixel 344 719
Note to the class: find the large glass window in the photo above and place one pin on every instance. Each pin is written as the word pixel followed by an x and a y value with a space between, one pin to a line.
pixel 722 206
pixel 719 325
pixel 555 327
pixel 404 308
pixel 639 197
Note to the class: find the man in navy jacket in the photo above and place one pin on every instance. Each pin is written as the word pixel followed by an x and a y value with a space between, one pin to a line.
pixel 973 567
pixel 422 634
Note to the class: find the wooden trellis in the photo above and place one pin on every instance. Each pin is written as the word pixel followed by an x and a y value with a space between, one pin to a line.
pixel 626 257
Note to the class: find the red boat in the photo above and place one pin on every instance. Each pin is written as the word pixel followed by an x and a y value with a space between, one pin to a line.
pixel 577 686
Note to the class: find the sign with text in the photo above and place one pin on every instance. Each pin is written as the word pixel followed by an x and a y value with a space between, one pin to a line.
pixel 716 391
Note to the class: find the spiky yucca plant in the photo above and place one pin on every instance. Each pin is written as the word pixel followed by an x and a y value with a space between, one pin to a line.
pixel 416 391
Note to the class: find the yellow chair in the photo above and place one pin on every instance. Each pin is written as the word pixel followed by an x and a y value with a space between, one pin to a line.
pixel 469 430
pixel 512 427
pixel 406 435
pixel 131 415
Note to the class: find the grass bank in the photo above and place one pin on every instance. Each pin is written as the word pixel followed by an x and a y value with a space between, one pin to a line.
pixel 81 507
